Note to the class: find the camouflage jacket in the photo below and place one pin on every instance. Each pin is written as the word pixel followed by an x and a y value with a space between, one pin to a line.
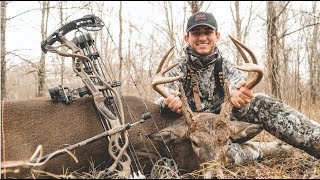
pixel 203 67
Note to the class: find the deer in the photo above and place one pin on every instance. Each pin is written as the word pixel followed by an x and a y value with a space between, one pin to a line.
pixel 191 140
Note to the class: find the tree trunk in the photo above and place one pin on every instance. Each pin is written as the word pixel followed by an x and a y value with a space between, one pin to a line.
pixel 298 93
pixel 42 63
pixel 63 49
pixel 120 42
pixel 242 28
pixel 169 22
pixel 313 58
pixel 128 60
pixel 272 51
pixel 238 29
pixel 3 50
pixel 284 54
pixel 317 56
pixel 195 6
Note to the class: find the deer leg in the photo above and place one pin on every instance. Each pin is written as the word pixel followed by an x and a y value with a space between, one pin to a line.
pixel 284 122
pixel 250 151
pixel 272 148
pixel 243 153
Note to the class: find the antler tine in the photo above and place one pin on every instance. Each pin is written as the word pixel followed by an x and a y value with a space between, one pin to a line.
pixel 238 44
pixel 164 58
pixel 159 81
pixel 166 63
pixel 185 108
pixel 249 67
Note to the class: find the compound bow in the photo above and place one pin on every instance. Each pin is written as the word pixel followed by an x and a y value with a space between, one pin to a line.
pixel 85 63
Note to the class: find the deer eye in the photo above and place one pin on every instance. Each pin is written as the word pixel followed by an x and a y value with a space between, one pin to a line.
pixel 220 126
pixel 195 144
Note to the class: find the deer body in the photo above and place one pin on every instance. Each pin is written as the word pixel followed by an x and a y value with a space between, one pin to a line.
pixel 29 123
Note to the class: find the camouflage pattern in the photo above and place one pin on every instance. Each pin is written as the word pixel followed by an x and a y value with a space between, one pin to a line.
pixel 276 117
pixel 283 122
pixel 204 70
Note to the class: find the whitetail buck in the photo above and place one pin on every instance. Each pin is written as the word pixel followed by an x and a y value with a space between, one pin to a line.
pixel 191 140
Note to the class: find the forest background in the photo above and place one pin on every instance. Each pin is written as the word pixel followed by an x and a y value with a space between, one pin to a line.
pixel 284 35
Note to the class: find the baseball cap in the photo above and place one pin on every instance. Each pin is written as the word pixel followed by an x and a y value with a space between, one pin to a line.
pixel 201 18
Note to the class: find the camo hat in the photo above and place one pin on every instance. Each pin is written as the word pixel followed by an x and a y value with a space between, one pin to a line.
pixel 202 18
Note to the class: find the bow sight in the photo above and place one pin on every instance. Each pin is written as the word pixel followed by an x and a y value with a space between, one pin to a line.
pixel 86 64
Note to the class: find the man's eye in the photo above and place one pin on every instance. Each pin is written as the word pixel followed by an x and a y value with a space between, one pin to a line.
pixel 208 32
pixel 196 33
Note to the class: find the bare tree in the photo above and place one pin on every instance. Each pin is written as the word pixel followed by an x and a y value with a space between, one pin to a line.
pixel 120 42
pixel 168 29
pixel 181 40
pixel 282 48
pixel 62 21
pixel 237 22
pixel 242 28
pixel 107 42
pixel 195 6
pixel 167 6
pixel 313 56
pixel 42 63
pixel 272 47
pixel 128 59
pixel 279 52
pixel 3 50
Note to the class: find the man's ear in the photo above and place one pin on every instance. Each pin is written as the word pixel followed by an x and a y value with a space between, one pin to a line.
pixel 186 38
pixel 218 35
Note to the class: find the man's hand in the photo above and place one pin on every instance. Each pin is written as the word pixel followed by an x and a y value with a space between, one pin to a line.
pixel 241 96
pixel 173 101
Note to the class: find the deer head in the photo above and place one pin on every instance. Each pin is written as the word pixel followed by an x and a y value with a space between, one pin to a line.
pixel 207 132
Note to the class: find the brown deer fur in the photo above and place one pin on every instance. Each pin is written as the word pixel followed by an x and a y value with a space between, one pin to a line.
pixel 29 123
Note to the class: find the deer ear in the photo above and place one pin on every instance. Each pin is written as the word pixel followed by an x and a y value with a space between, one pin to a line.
pixel 172 134
pixel 241 131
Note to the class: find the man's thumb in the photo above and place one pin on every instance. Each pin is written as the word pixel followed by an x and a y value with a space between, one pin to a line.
pixel 175 93
pixel 240 84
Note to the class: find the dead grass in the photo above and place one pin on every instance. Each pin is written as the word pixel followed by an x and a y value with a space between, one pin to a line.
pixel 295 165
pixel 299 165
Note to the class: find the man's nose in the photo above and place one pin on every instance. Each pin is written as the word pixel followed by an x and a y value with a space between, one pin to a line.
pixel 202 36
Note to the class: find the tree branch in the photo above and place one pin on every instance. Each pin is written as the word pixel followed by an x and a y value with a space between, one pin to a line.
pixel 24 59
pixel 283 9
pixel 286 34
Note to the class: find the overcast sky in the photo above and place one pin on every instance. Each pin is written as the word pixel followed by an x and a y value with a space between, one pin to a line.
pixel 23 32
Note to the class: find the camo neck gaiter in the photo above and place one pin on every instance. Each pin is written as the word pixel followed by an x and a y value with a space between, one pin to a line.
pixel 200 62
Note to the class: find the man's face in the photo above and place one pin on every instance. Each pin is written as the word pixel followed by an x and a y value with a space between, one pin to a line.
pixel 202 39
